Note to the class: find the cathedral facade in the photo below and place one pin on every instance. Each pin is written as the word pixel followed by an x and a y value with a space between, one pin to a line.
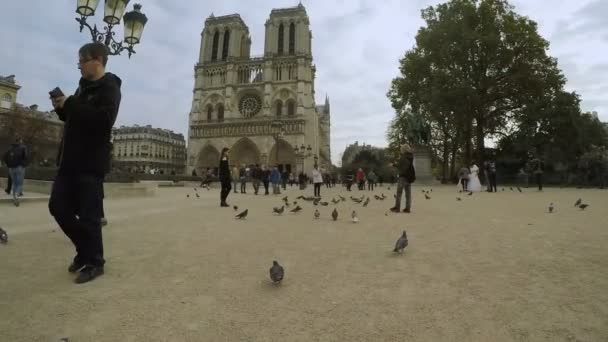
pixel 261 107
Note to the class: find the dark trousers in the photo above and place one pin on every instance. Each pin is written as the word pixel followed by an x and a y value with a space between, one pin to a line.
pixel 493 181
pixel 266 184
pixel 256 185
pixel 9 184
pixel 76 203
pixel 226 187
pixel 465 183
pixel 243 185
pixel 539 181
pixel 318 189
pixel 348 185
pixel 370 186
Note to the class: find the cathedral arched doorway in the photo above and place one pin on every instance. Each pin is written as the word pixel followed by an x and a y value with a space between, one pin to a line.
pixel 208 158
pixel 285 158
pixel 244 152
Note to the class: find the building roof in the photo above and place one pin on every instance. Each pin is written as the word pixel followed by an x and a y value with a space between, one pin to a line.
pixel 9 81
pixel 230 18
pixel 147 129
pixel 288 10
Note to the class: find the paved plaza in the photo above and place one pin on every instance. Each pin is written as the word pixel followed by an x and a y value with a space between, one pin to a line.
pixel 492 267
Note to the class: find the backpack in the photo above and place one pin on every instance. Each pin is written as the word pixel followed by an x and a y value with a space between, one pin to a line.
pixel 14 157
pixel 410 175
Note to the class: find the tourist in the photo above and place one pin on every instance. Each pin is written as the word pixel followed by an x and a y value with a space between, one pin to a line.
pixel 89 115
pixel 265 178
pixel 284 178
pixel 492 175
pixel 224 177
pixel 256 177
pixel 361 179
pixel 486 174
pixel 523 177
pixel 317 179
pixel 292 179
pixel 538 167
pixel 275 179
pixel 371 180
pixel 243 179
pixel 16 159
pixel 235 178
pixel 348 179
pixel 463 177
pixel 407 176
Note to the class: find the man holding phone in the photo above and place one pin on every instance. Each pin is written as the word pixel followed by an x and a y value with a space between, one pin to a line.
pixel 76 200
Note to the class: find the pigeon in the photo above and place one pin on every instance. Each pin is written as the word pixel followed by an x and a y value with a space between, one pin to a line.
pixel 334 201
pixel 401 243
pixel 458 199
pixel 382 196
pixel 276 272
pixel 551 207
pixel 583 206
pixel 278 210
pixel 300 197
pixel 316 202
pixel 519 189
pixel 511 188
pixel 325 204
pixel 3 236
pixel 423 191
pixel 342 199
pixel 235 207
pixel 242 215
pixel 378 198
pixel 431 189
pixel 285 199
pixel 578 202
pixel 295 202
pixel 187 195
pixel 366 202
pixel 389 188
pixel 354 217
pixel 195 189
pixel 197 195
pixel 64 339
pixel 317 214
pixel 296 209
pixel 334 214
pixel 503 189
pixel 427 196
pixel 471 193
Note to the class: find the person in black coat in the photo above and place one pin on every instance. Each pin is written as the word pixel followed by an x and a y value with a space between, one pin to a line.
pixel 225 178
pixel 407 176
pixel 76 200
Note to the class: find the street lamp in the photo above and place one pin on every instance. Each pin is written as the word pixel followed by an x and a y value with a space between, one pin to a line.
pixel 113 12
pixel 304 152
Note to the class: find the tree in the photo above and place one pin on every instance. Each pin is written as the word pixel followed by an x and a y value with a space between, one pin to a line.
pixel 475 67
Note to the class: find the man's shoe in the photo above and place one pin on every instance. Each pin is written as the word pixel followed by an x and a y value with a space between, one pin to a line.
pixel 88 273
pixel 103 221
pixel 16 202
pixel 406 210
pixel 8 192
pixel 394 209
pixel 75 267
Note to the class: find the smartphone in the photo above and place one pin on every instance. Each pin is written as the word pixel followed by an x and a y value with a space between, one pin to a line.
pixel 56 93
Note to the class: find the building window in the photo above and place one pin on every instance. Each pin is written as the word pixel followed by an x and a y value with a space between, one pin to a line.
pixel 216 42
pixel 209 113
pixel 292 39
pixel 225 45
pixel 279 108
pixel 291 108
pixel 281 35
pixel 220 112
pixel 6 102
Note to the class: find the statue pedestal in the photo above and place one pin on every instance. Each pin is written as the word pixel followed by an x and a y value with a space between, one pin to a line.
pixel 422 164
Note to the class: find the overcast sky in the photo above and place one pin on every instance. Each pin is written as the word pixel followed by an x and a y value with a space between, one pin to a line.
pixel 356 48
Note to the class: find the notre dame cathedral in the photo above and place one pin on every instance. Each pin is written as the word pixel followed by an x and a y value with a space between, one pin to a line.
pixel 261 107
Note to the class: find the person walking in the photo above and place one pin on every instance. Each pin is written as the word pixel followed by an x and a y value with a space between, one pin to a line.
pixel 243 179
pixel 371 180
pixel 275 179
pixel 224 176
pixel 317 179
pixel 492 175
pixel 256 177
pixel 407 176
pixel 16 159
pixel 361 179
pixel 538 167
pixel 463 177
pixel 265 178
pixel 76 200
pixel 235 178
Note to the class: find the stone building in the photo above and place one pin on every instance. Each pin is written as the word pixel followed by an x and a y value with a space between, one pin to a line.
pixel 41 131
pixel 143 148
pixel 261 107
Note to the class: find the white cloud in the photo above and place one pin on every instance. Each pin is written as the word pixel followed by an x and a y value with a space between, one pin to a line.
pixel 356 46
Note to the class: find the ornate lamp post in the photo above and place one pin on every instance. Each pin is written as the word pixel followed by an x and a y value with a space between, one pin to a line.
pixel 277 135
pixel 113 12
pixel 304 152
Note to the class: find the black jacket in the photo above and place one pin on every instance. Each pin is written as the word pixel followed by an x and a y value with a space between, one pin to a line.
pixel 224 171
pixel 405 167
pixel 15 156
pixel 89 115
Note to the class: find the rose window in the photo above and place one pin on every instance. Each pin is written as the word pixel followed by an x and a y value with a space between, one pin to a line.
pixel 250 105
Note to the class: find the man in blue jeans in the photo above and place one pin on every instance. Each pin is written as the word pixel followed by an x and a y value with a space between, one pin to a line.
pixel 77 196
pixel 16 159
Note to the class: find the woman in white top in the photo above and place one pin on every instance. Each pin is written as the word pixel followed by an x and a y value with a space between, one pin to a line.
pixel 317 179
pixel 474 184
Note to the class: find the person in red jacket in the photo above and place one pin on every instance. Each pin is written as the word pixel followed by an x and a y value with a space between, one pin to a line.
pixel 361 179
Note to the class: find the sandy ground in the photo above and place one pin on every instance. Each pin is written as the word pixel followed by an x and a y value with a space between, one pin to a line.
pixel 493 267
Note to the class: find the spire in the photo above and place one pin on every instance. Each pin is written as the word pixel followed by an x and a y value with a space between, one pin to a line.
pixel 326 104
